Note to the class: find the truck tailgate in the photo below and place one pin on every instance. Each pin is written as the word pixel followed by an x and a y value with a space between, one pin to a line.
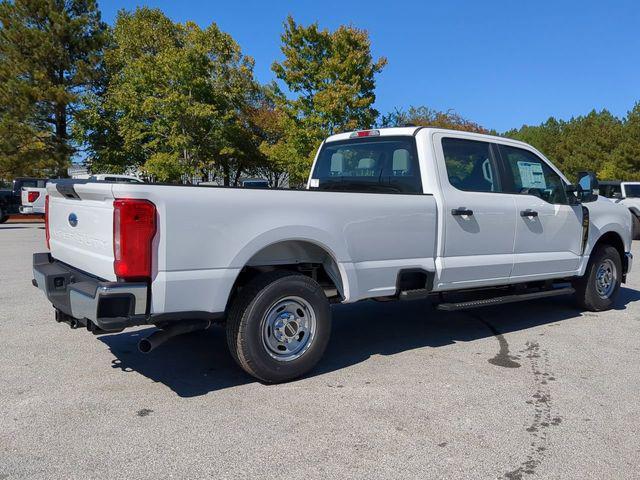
pixel 81 226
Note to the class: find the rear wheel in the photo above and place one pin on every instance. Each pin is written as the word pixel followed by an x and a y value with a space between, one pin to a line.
pixel 597 289
pixel 3 216
pixel 279 326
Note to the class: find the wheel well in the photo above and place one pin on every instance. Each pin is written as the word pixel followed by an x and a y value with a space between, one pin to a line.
pixel 613 239
pixel 300 256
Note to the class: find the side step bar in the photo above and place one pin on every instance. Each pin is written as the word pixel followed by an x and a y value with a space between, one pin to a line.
pixel 504 299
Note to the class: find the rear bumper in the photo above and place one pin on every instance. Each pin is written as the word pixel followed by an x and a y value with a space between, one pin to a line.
pixel 111 306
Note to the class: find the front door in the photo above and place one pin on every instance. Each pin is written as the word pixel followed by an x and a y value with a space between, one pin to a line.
pixel 479 220
pixel 548 237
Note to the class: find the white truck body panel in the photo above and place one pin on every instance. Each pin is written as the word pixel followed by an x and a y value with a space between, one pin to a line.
pixel 207 235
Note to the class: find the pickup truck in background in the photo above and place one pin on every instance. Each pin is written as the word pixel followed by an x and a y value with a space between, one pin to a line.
pixel 627 194
pixel 33 200
pixel 11 200
pixel 465 219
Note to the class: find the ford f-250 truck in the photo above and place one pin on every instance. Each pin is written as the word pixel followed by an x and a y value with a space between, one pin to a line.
pixel 400 213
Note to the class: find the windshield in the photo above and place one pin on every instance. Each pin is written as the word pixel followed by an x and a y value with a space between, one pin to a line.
pixel 632 190
pixel 375 164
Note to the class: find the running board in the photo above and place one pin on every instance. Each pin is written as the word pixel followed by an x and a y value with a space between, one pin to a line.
pixel 504 299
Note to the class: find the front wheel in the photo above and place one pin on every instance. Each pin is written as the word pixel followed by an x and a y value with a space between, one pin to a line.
pixel 597 289
pixel 279 326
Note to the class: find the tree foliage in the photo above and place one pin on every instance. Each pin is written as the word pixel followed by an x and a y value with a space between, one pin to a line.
pixel 428 117
pixel 178 101
pixel 50 56
pixel 331 76
pixel 175 101
pixel 598 142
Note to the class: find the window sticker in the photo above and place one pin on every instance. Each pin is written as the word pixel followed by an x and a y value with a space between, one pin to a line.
pixel 531 175
pixel 314 183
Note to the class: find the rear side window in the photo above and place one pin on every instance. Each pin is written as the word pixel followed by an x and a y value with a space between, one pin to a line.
pixel 532 176
pixel 381 164
pixel 470 165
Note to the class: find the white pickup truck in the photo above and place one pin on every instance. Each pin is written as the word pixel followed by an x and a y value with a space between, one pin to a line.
pixel 32 199
pixel 400 213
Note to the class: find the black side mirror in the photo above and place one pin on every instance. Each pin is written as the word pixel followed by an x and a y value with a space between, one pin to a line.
pixel 588 188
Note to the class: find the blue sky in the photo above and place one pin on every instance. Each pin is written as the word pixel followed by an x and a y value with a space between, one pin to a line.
pixel 501 64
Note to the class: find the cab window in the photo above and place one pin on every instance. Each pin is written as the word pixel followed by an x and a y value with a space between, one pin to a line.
pixel 470 165
pixel 530 175
pixel 376 164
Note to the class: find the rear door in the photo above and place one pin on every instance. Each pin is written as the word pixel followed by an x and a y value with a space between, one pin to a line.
pixel 479 220
pixel 548 237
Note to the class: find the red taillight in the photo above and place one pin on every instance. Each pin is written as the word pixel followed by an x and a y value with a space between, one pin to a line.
pixel 365 133
pixel 134 226
pixel 32 196
pixel 46 221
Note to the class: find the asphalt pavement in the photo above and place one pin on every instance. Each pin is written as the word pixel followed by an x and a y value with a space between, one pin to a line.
pixel 529 390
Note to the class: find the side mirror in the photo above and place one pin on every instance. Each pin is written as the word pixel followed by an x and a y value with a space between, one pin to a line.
pixel 588 188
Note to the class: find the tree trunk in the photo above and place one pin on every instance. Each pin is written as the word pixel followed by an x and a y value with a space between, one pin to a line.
pixel 62 150
pixel 226 174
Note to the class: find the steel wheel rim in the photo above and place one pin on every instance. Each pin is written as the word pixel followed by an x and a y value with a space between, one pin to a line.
pixel 606 278
pixel 288 328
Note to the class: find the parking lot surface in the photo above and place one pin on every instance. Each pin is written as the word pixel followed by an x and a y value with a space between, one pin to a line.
pixel 530 390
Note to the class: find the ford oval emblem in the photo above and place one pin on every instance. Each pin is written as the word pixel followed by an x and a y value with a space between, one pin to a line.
pixel 73 219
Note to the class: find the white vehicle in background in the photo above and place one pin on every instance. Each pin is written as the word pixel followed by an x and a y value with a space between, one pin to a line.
pixel 465 219
pixel 627 194
pixel 116 178
pixel 32 199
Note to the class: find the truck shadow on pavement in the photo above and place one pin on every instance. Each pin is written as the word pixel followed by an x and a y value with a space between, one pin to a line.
pixel 196 364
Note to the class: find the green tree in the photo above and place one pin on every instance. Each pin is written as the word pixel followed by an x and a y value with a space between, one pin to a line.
pixel 50 56
pixel 175 102
pixel 428 117
pixel 331 80
pixel 624 163
pixel 591 142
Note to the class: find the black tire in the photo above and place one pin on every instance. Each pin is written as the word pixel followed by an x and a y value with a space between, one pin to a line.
pixel 3 217
pixel 635 227
pixel 248 321
pixel 590 294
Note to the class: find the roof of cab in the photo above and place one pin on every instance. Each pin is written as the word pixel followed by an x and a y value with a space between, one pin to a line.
pixel 409 131
pixel 384 132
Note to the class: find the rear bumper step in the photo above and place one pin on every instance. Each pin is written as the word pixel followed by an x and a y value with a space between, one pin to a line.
pixel 111 306
pixel 504 299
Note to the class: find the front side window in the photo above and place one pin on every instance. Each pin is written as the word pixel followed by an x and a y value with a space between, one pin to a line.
pixel 379 164
pixel 532 176
pixel 469 165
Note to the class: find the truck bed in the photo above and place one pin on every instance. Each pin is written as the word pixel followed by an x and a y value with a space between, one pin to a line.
pixel 207 235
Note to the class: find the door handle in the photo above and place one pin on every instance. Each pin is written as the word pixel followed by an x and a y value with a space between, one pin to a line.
pixel 528 213
pixel 461 211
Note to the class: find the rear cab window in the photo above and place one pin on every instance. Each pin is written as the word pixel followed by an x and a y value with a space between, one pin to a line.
pixel 375 164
